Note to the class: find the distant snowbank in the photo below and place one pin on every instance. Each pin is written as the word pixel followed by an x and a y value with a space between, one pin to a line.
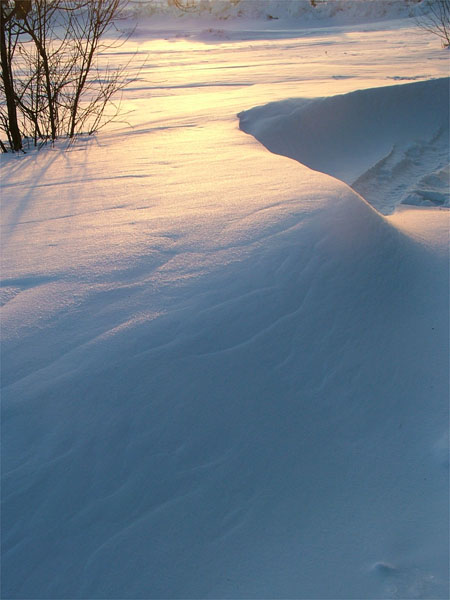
pixel 338 10
pixel 390 143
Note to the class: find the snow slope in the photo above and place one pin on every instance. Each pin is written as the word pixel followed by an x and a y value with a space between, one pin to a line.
pixel 224 374
pixel 238 433
pixel 390 144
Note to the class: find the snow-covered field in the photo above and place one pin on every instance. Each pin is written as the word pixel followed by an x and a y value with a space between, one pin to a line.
pixel 225 374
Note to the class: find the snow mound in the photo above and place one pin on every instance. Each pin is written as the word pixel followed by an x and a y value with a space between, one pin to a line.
pixel 390 144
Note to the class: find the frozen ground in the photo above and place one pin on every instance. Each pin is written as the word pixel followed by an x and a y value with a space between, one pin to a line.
pixel 225 375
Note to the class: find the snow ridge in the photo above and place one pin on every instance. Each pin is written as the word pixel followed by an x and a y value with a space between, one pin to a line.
pixel 390 144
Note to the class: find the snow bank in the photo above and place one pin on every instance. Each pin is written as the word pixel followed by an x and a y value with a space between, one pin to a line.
pixel 335 11
pixel 390 144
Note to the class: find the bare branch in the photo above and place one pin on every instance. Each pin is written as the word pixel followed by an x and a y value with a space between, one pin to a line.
pixel 437 20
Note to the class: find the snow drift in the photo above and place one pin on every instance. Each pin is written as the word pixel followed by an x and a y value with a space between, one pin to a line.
pixel 390 144
pixel 283 420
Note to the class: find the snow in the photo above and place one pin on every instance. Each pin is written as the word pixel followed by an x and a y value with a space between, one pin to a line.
pixel 286 11
pixel 389 144
pixel 225 374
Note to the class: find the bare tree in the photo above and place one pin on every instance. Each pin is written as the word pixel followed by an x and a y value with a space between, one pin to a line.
pixel 437 20
pixel 53 80
pixel 90 27
pixel 9 120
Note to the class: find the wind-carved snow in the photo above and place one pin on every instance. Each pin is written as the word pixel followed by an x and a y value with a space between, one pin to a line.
pixel 416 174
pixel 390 144
pixel 224 375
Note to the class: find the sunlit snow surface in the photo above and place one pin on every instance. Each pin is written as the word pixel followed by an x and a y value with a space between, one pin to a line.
pixel 225 375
